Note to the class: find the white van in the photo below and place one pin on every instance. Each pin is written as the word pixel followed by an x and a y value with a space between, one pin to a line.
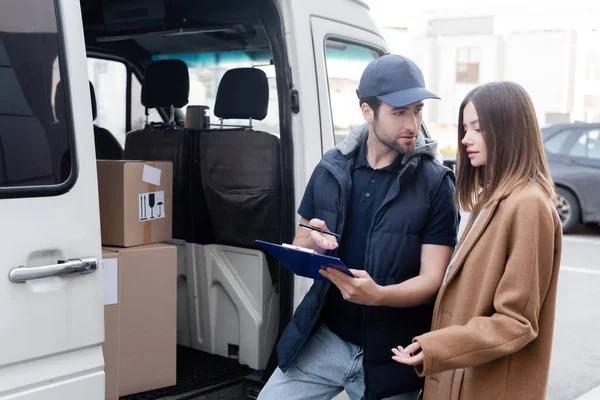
pixel 53 128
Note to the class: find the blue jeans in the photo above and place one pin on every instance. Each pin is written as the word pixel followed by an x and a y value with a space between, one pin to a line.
pixel 325 367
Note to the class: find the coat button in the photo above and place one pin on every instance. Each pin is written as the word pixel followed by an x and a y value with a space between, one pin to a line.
pixel 367 195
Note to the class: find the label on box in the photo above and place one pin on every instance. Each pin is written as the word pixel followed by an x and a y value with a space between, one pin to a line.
pixel 110 267
pixel 151 206
pixel 151 175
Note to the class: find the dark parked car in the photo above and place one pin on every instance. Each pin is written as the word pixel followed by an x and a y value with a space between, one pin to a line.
pixel 573 152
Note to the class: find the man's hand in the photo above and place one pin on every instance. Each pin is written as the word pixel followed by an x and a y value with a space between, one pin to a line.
pixel 359 290
pixel 312 239
pixel 324 241
pixel 412 355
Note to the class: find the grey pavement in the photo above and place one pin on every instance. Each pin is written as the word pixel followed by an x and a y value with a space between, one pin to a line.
pixel 575 365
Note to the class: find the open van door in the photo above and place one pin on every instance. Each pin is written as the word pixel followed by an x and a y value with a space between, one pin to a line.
pixel 340 38
pixel 51 286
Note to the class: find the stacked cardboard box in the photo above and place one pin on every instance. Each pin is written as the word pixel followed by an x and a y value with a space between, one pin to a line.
pixel 136 204
pixel 140 276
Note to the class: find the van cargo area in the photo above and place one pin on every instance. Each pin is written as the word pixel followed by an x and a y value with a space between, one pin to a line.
pixel 225 148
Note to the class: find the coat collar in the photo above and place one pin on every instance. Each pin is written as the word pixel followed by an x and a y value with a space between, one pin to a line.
pixel 467 240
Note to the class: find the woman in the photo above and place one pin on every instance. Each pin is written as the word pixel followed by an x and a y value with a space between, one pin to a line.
pixel 492 327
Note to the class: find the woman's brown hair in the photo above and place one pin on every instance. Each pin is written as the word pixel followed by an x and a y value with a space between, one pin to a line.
pixel 515 152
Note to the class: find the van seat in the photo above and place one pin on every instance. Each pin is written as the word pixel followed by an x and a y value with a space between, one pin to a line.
pixel 241 167
pixel 234 310
pixel 166 84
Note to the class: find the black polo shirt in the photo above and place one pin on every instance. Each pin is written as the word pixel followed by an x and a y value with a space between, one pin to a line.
pixel 369 189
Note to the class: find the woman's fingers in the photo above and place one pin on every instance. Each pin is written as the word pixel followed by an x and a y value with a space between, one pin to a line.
pixel 399 351
pixel 413 348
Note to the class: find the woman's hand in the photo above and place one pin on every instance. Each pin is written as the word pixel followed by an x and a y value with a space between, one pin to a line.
pixel 412 355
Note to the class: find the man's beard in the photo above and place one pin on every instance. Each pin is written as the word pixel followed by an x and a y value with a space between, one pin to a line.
pixel 391 142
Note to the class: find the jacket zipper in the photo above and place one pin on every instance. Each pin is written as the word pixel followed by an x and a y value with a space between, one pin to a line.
pixel 312 322
pixel 365 309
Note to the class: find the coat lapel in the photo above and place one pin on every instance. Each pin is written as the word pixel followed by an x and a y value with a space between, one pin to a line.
pixel 469 240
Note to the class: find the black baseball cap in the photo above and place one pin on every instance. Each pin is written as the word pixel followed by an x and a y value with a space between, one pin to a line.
pixel 395 80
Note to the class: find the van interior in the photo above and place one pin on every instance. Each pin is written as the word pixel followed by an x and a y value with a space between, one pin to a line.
pixel 203 84
pixel 206 88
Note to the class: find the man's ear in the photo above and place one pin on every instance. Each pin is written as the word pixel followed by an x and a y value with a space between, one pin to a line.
pixel 368 113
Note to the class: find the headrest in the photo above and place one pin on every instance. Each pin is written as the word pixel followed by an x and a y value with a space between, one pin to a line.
pixel 60 101
pixel 166 83
pixel 196 118
pixel 243 94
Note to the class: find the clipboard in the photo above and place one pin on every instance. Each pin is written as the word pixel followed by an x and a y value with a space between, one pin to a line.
pixel 304 263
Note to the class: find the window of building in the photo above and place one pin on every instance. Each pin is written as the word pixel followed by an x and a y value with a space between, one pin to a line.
pixel 468 61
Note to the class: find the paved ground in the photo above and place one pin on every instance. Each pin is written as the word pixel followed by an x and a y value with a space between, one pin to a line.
pixel 575 368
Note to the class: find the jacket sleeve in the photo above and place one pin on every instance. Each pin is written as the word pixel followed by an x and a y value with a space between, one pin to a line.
pixel 530 258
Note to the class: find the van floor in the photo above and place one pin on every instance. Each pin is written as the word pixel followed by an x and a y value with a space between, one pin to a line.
pixel 197 370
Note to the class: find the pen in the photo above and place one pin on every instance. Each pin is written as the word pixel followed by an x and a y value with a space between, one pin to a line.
pixel 313 228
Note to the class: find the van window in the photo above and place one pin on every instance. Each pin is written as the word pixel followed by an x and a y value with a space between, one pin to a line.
pixel 35 137
pixel 345 65
pixel 206 71
pixel 138 111
pixel 109 79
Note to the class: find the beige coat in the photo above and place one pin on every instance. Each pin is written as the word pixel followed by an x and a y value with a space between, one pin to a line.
pixel 494 318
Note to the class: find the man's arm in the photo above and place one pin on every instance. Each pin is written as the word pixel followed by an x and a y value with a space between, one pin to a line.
pixel 413 292
pixel 439 239
pixel 305 237
pixel 423 288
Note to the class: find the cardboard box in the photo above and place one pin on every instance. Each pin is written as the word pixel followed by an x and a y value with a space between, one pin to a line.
pixel 110 262
pixel 147 318
pixel 135 202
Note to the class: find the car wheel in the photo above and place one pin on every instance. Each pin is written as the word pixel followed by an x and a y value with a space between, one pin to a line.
pixel 568 209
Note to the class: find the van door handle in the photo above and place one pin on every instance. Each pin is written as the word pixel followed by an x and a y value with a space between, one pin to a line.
pixel 72 267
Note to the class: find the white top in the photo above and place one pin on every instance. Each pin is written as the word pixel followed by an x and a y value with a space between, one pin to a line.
pixel 449 268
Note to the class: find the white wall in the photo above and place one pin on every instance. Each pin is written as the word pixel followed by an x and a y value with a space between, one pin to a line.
pixel 451 92
pixel 544 63
pixel 540 62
